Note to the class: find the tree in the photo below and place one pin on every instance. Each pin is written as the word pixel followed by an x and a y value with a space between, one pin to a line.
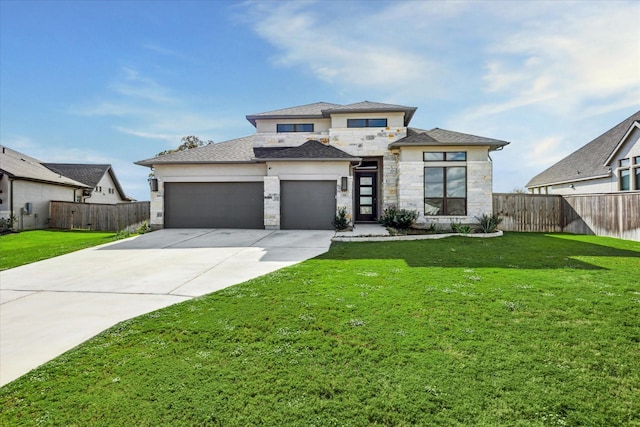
pixel 188 142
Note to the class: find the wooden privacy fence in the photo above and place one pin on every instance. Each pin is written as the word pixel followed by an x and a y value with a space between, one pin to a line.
pixel 99 217
pixel 614 214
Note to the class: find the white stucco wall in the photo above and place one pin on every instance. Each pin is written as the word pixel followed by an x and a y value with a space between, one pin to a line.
pixel 39 195
pixel 270 125
pixel 108 193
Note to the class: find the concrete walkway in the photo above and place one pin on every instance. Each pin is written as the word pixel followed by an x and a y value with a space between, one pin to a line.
pixel 51 306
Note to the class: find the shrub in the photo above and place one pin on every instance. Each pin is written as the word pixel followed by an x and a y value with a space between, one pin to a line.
pixel 401 219
pixel 457 227
pixel 340 222
pixel 7 224
pixel 489 223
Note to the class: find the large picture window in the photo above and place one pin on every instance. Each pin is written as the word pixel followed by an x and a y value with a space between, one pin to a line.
pixel 294 127
pixel 445 190
pixel 366 123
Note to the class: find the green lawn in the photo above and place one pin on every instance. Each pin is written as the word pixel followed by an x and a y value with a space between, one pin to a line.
pixel 30 246
pixel 523 330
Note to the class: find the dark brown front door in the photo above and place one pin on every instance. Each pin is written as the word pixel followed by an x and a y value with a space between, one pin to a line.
pixel 366 196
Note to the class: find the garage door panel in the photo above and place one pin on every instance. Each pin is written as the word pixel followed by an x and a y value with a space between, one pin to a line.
pixel 307 205
pixel 214 205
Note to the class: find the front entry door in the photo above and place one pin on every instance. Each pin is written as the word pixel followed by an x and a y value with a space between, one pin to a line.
pixel 366 196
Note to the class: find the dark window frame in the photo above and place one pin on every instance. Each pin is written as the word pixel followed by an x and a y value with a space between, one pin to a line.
pixel 445 156
pixel 367 123
pixel 444 199
pixel 294 127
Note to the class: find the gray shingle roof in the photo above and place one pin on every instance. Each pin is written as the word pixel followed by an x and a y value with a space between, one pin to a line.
pixel 325 109
pixel 20 166
pixel 307 111
pixel 239 150
pixel 372 107
pixel 437 136
pixel 310 150
pixel 588 161
pixel 89 174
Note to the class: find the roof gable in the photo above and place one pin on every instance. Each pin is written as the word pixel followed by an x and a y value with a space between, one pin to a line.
pixel 90 174
pixel 634 126
pixel 589 161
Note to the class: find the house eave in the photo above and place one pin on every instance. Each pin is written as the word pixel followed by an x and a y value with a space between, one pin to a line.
pixel 569 181
pixel 308 159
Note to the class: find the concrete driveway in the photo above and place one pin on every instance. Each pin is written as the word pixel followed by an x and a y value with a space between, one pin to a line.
pixel 51 306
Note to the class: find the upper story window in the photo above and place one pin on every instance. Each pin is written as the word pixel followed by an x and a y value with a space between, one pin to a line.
pixel 294 127
pixel 366 123
pixel 444 156
pixel 629 174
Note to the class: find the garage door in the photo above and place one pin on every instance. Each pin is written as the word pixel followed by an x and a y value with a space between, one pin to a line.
pixel 307 205
pixel 214 205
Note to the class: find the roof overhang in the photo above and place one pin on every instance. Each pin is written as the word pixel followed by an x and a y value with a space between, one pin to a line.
pixel 569 181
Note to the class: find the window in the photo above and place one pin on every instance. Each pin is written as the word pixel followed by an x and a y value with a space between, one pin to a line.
pixel 366 123
pixel 625 179
pixel 629 174
pixel 444 156
pixel 98 188
pixel 294 127
pixel 445 190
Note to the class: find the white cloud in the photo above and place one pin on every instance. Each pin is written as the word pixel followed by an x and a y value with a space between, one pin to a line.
pixel 139 105
pixel 569 59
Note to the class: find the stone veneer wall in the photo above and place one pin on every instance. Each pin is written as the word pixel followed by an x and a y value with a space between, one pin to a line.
pixel 272 202
pixel 479 191
pixel 344 199
pixel 373 142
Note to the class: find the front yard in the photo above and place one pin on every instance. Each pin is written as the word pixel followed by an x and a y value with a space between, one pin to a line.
pixel 30 246
pixel 523 330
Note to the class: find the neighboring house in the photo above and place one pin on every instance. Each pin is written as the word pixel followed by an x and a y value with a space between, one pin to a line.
pixel 608 164
pixel 101 178
pixel 27 187
pixel 303 163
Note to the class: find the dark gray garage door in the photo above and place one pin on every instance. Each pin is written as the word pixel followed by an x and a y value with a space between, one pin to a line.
pixel 214 205
pixel 307 205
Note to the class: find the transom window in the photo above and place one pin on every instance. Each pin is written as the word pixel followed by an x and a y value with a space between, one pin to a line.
pixel 366 123
pixel 294 127
pixel 445 190
pixel 444 156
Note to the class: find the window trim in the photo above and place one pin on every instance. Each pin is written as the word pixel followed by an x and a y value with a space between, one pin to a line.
pixel 366 123
pixel 445 155
pixel 631 168
pixel 295 127
pixel 444 197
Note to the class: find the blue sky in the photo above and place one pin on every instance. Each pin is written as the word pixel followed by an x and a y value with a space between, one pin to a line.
pixel 116 82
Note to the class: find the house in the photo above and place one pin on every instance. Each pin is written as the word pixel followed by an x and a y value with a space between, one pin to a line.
pixel 102 179
pixel 305 162
pixel 27 185
pixel 608 164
